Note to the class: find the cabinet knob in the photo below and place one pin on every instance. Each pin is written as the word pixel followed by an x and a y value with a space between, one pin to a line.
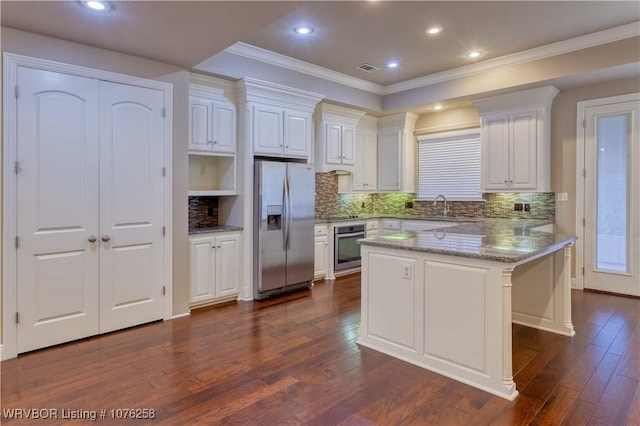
pixel 215 142
pixel 209 142
pixel 92 239
pixel 105 238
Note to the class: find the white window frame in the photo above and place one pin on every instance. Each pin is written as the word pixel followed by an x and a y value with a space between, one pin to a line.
pixel 452 136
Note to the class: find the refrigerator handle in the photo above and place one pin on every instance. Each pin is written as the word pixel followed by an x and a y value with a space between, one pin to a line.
pixel 287 209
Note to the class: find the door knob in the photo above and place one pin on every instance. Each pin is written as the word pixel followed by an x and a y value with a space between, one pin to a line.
pixel 92 239
pixel 105 238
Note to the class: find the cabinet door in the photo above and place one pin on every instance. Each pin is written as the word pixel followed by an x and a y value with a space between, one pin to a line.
pixel 389 161
pixel 495 151
pixel 333 143
pixel 366 157
pixel 524 165
pixel 321 248
pixel 267 130
pixel 297 134
pixel 200 132
pixel 348 145
pixel 203 269
pixel 228 265
pixel 224 127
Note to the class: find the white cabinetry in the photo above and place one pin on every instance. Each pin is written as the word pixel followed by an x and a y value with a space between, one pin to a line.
pixel 215 268
pixel 278 119
pixel 396 153
pixel 390 226
pixel 281 132
pixel 321 252
pixel 212 137
pixel 212 124
pixel 515 135
pixel 372 228
pixel 365 173
pixel 335 142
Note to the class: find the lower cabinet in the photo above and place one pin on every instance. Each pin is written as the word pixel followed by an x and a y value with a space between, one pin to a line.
pixel 321 252
pixel 372 228
pixel 215 268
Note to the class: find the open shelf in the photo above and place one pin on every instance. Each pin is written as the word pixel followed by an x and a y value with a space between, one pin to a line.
pixel 212 175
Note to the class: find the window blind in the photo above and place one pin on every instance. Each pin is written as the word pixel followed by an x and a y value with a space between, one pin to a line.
pixel 449 165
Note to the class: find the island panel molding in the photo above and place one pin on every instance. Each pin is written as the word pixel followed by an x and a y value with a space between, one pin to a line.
pixel 469 283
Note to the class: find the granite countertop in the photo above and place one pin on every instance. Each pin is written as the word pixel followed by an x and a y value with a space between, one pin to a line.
pixel 214 229
pixel 365 217
pixel 501 240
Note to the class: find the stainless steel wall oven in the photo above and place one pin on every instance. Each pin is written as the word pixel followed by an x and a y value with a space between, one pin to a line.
pixel 346 249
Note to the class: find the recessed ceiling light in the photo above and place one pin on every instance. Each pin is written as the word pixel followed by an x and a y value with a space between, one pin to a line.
pixel 392 65
pixel 97 5
pixel 303 29
pixel 434 30
pixel 438 107
pixel 474 54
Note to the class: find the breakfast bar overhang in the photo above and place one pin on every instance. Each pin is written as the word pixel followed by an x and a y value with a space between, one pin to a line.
pixel 445 299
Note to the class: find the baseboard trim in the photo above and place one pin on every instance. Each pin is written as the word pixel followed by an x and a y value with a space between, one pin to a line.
pixel 610 293
pixel 185 314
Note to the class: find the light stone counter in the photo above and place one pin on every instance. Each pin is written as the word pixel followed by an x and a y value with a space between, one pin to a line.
pixel 502 240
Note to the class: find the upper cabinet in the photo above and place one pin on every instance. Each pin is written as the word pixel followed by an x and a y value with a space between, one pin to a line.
pixel 212 136
pixel 278 120
pixel 396 153
pixel 365 173
pixel 336 137
pixel 515 136
pixel 212 118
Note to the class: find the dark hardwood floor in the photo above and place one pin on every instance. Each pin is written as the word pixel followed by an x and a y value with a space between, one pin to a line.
pixel 294 360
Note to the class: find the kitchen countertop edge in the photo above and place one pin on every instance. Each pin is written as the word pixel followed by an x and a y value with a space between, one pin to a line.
pixel 214 230
pixel 480 227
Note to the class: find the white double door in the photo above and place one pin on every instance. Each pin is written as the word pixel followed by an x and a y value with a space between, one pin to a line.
pixel 89 207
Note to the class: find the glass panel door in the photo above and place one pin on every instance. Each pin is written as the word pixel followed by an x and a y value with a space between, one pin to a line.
pixel 612 224
pixel 611 236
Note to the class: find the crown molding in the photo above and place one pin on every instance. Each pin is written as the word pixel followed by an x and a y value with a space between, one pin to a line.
pixel 253 90
pixel 566 46
pixel 540 97
pixel 273 58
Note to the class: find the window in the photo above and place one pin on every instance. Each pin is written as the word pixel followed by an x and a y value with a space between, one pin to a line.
pixel 449 164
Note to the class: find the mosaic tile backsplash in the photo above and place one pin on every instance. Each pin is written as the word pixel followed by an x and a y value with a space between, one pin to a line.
pixel 496 205
pixel 203 212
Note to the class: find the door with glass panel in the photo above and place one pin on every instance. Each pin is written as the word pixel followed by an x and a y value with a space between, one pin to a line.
pixel 612 197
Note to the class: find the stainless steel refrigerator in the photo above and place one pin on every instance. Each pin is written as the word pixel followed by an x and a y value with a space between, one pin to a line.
pixel 284 219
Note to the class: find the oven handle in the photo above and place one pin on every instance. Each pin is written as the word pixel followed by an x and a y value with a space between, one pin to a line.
pixel 353 234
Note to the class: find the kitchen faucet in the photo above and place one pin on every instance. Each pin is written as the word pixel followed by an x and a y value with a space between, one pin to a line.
pixel 446 206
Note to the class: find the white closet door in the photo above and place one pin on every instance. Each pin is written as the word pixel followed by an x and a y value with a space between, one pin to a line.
pixel 57 208
pixel 131 201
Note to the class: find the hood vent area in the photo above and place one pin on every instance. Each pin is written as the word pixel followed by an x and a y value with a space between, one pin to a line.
pixel 368 68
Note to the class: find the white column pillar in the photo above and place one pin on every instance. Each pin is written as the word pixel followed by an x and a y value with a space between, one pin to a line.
pixel 507 355
pixel 568 324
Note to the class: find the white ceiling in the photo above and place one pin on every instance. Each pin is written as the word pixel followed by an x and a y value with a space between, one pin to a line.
pixel 347 34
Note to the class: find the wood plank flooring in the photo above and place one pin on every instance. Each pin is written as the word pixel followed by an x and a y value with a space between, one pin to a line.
pixel 293 360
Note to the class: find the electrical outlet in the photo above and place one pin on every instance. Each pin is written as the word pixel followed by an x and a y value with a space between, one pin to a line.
pixel 517 207
pixel 562 196
pixel 406 271
pixel 527 207
pixel 408 205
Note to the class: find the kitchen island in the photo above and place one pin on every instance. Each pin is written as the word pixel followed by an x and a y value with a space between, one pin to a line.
pixel 445 299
